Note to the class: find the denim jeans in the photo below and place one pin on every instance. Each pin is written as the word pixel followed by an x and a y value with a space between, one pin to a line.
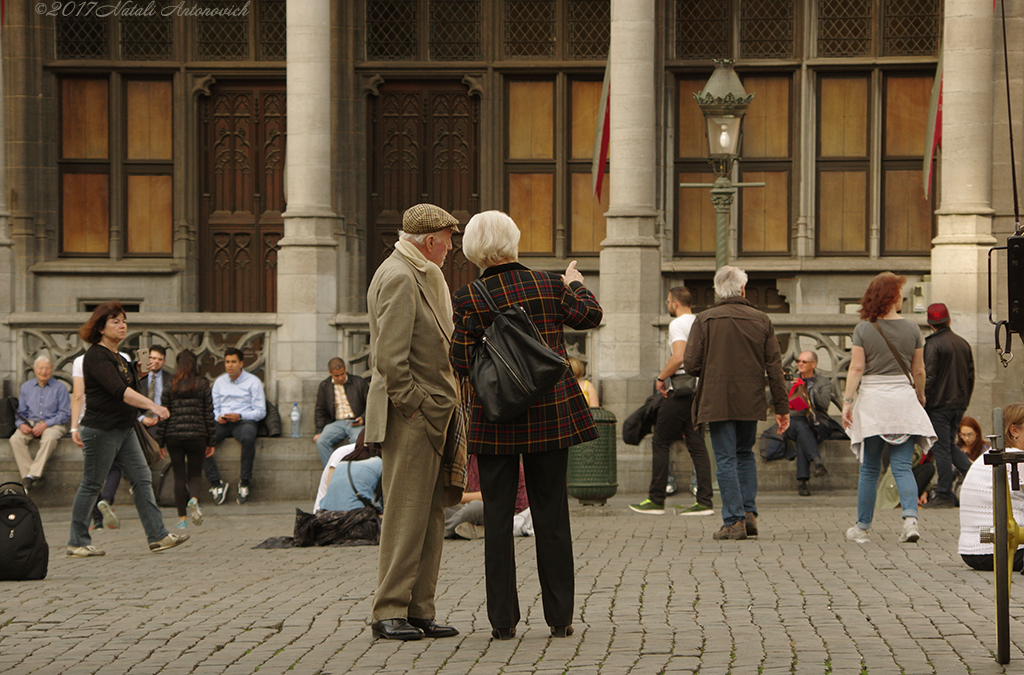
pixel 802 433
pixel 733 442
pixel 946 452
pixel 243 431
pixel 332 433
pixel 901 457
pixel 102 448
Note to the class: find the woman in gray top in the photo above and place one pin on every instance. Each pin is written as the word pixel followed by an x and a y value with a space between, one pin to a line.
pixel 887 374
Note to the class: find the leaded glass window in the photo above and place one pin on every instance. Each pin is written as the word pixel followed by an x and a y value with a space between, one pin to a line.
pixel 455 30
pixel 766 29
pixel 911 27
pixel 391 30
pixel 273 40
pixel 844 27
pixel 530 29
pixel 224 37
pixel 147 37
pixel 589 29
pixel 702 29
pixel 83 37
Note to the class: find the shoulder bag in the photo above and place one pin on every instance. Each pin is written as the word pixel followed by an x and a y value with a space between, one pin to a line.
pixel 511 367
pixel 150 448
pixel 895 439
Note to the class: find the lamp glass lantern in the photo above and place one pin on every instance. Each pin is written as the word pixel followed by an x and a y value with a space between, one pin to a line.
pixel 723 102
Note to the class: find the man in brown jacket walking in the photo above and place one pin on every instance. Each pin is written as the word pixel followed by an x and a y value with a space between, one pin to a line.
pixel 731 348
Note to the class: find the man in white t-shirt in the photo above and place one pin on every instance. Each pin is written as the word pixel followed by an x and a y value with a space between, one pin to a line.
pixel 675 417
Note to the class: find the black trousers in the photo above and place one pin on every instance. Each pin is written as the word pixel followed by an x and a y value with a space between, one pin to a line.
pixel 675 422
pixel 190 453
pixel 549 506
pixel 986 563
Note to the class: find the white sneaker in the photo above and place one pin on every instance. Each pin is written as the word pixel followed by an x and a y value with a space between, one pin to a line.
pixel 194 514
pixel 858 535
pixel 220 493
pixel 910 533
pixel 110 521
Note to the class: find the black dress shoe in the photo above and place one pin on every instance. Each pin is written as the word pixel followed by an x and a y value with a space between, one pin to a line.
pixel 561 631
pixel 433 629
pixel 503 633
pixel 395 629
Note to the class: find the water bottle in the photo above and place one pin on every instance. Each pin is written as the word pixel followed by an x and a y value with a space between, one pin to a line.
pixel 296 421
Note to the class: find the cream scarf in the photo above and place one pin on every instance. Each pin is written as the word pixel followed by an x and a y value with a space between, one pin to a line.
pixel 441 303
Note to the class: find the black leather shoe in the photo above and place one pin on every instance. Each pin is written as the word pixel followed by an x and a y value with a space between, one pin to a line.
pixel 433 629
pixel 395 629
pixel 503 633
pixel 561 631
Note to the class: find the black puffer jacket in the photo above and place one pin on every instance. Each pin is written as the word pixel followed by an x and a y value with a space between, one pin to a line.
pixel 191 416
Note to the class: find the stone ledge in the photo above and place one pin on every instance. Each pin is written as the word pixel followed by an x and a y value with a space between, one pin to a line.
pixel 286 469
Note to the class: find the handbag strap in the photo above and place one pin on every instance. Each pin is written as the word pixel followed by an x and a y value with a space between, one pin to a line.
pixel 895 354
pixel 364 500
pixel 801 391
pixel 482 291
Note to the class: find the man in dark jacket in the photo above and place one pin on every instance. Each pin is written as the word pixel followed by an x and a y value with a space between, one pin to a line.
pixel 949 383
pixel 340 406
pixel 731 348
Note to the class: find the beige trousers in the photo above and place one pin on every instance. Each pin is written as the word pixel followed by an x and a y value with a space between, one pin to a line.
pixel 412 531
pixel 47 443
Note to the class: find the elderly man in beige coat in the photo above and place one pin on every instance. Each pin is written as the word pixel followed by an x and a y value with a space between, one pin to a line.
pixel 412 397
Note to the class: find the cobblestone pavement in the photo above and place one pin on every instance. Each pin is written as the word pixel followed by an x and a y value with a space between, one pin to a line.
pixel 654 594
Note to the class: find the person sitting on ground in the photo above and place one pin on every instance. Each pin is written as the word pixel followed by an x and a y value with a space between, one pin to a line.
pixel 976 499
pixel 238 405
pixel 809 398
pixel 44 410
pixel 924 472
pixel 346 478
pixel 589 390
pixel 340 407
pixel 971 441
pixel 465 520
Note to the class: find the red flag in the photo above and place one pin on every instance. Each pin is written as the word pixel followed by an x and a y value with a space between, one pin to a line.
pixel 601 134
pixel 933 136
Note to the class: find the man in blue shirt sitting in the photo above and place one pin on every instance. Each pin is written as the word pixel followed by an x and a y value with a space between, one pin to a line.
pixel 238 405
pixel 44 410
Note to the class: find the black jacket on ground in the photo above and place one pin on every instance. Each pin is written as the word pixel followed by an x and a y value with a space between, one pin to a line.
pixel 949 371
pixel 356 389
pixel 191 416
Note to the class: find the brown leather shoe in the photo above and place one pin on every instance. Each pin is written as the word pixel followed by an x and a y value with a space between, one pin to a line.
pixel 737 530
pixel 751 524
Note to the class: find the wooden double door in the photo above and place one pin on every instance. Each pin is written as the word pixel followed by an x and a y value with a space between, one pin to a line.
pixel 423 147
pixel 242 137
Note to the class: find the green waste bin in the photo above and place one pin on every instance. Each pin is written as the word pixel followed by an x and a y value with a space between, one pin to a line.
pixel 593 476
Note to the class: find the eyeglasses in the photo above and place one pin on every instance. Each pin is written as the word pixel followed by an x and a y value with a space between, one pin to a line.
pixel 804 361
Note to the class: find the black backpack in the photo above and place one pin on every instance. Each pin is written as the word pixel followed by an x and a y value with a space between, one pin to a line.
pixel 24 553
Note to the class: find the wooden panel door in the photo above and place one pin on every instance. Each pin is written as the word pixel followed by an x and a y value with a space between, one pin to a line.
pixel 422 148
pixel 242 196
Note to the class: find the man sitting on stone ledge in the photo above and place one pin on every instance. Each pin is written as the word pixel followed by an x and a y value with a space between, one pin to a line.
pixel 238 405
pixel 340 406
pixel 809 398
pixel 44 410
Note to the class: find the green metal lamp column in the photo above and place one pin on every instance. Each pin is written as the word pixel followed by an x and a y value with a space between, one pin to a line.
pixel 722 193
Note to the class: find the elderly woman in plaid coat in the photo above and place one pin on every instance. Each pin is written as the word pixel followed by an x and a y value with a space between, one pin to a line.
pixel 541 436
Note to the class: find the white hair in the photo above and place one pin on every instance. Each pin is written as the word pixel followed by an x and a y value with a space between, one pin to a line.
pixel 491 237
pixel 729 282
pixel 40 359
pixel 420 239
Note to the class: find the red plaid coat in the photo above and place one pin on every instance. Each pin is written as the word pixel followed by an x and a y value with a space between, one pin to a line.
pixel 560 419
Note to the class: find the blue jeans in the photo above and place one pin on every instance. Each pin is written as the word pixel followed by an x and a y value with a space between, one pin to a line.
pixel 102 448
pixel 332 433
pixel 733 442
pixel 801 431
pixel 901 457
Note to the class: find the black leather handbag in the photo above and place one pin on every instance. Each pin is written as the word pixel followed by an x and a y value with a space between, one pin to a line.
pixel 511 367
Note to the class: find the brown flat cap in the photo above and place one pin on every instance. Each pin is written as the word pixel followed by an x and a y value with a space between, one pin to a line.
pixel 427 218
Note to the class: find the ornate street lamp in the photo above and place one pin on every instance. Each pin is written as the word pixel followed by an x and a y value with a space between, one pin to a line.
pixel 723 101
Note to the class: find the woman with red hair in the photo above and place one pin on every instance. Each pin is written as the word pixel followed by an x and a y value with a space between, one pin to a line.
pixel 887 374
pixel 971 441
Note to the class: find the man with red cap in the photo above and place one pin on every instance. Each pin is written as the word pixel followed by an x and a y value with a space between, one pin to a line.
pixel 949 382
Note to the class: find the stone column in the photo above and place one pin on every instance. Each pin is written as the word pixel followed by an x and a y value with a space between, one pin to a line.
pixel 307 263
pixel 631 287
pixel 6 245
pixel 965 214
